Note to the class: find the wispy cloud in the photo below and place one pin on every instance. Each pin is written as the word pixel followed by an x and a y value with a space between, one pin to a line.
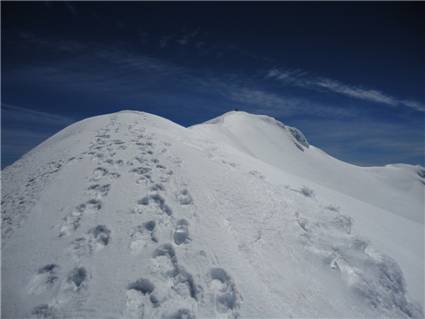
pixel 187 37
pixel 356 92
pixel 107 70
pixel 14 113
pixel 139 75
pixel 23 128
pixel 303 79
pixel 116 56
pixel 261 101
pixel 130 66
pixel 59 45
pixel 136 62
pixel 414 105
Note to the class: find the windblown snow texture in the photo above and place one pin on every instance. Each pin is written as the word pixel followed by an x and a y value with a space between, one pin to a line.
pixel 129 215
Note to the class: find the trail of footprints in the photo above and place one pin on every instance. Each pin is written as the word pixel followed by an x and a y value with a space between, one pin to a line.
pixel 14 208
pixel 170 291
pixel 73 286
pixel 144 298
pixel 97 190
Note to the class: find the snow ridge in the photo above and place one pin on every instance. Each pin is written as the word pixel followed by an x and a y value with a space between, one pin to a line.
pixel 131 216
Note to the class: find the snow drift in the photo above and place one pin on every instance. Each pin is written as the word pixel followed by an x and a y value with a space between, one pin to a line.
pixel 129 215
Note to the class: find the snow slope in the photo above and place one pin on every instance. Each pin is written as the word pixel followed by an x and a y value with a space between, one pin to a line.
pixel 395 188
pixel 129 215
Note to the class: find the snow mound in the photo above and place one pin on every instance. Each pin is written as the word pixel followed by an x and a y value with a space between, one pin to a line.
pixel 129 215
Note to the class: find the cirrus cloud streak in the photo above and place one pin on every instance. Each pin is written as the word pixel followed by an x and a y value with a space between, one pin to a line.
pixel 304 80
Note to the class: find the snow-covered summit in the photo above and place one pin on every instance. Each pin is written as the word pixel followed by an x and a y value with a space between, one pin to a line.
pixel 286 148
pixel 129 215
pixel 237 119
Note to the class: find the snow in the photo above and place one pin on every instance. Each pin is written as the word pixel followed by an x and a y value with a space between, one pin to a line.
pixel 129 215
pixel 268 140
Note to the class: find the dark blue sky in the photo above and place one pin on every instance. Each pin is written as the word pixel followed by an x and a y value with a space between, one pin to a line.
pixel 351 76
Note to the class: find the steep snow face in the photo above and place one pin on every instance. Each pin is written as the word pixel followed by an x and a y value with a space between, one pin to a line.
pixel 129 215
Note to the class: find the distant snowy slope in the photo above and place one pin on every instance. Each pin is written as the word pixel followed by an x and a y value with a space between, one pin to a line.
pixel 395 188
pixel 129 215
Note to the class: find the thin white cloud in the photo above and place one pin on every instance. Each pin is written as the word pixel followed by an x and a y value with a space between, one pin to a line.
pixel 359 93
pixel 277 105
pixel 116 56
pixel 260 98
pixel 302 79
pixel 187 37
pixel 60 45
pixel 128 64
pixel 136 62
pixel 108 70
pixel 14 113
pixel 414 105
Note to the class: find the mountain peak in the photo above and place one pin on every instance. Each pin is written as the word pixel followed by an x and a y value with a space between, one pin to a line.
pixel 239 118
pixel 129 215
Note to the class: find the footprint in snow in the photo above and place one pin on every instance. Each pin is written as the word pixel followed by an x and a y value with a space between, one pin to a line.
pixel 141 170
pixel 77 279
pixel 141 300
pixel 184 197
pixel 98 191
pixel 101 172
pixel 45 311
pixel 165 262
pixel 181 233
pixel 160 166
pixel 109 161
pixel 157 187
pixel 72 221
pixel 95 240
pixel 227 298
pixel 92 205
pixel 98 173
pixel 145 179
pixel 115 175
pixel 141 236
pixel 155 200
pixel 99 237
pixel 45 279
pixel 70 297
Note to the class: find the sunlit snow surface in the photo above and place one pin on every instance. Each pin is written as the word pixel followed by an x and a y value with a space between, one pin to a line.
pixel 129 215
